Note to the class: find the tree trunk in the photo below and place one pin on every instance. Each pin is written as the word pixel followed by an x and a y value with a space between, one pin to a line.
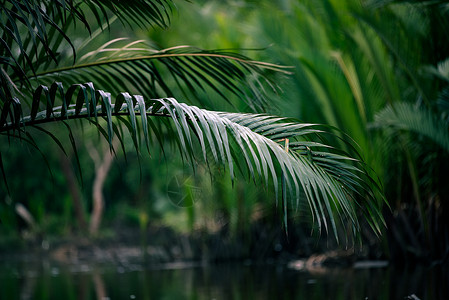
pixel 102 169
pixel 74 192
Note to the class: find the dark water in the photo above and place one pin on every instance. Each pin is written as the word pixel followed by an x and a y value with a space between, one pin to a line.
pixel 35 279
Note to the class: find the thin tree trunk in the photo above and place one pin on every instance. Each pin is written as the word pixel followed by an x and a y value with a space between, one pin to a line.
pixel 74 192
pixel 100 289
pixel 102 169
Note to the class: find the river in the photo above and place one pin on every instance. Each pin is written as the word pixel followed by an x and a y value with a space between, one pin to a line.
pixel 31 278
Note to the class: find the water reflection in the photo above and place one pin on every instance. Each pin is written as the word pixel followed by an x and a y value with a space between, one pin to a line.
pixel 51 280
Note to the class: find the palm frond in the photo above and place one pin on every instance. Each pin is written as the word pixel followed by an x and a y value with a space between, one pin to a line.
pixel 441 71
pixel 32 32
pixel 419 120
pixel 144 13
pixel 165 72
pixel 313 172
pixel 32 57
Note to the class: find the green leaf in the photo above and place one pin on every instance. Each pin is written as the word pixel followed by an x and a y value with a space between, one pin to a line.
pixel 419 120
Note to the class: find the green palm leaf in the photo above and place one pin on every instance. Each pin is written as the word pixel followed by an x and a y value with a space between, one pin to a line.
pixel 419 120
pixel 313 172
pixel 35 74
pixel 33 33
pixel 140 12
pixel 164 72
pixel 119 65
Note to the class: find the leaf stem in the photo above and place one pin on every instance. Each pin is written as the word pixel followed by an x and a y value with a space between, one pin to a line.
pixel 264 65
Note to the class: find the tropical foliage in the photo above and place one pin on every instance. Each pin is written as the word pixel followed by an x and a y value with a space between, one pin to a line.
pixel 48 77
pixel 379 72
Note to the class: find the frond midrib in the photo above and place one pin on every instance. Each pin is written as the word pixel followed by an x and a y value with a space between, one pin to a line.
pixel 254 63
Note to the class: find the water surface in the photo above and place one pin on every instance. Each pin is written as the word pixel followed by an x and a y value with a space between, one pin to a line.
pixel 46 279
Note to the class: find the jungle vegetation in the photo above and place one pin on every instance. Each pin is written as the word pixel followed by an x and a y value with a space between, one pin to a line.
pixel 103 107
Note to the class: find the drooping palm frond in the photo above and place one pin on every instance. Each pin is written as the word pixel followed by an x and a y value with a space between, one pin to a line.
pixel 417 119
pixel 140 12
pixel 440 71
pixel 121 65
pixel 326 179
pixel 165 72
pixel 34 34
pixel 309 170
pixel 32 31
pixel 393 33
pixel 28 29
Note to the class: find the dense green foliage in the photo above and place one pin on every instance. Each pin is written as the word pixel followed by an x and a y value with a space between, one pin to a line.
pixel 375 70
pixel 378 71
pixel 43 83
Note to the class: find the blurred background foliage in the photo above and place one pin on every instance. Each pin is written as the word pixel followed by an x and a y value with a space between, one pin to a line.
pixel 377 70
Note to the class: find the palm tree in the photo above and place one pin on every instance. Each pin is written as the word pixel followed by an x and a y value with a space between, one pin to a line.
pixel 47 77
